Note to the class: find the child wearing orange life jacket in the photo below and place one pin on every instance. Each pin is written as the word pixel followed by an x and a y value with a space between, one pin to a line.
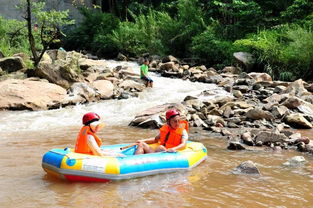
pixel 87 140
pixel 172 137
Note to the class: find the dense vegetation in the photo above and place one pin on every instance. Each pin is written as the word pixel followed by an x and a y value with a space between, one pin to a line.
pixel 278 33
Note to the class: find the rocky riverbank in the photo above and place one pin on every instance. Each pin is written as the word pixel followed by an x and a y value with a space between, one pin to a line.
pixel 256 112
pixel 61 79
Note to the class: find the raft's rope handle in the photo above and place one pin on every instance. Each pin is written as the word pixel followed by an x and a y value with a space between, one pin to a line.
pixel 192 150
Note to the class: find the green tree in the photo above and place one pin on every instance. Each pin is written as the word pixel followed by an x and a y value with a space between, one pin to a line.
pixel 297 11
pixel 49 26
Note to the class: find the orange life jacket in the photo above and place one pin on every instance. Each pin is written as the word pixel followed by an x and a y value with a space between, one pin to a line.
pixel 81 143
pixel 172 137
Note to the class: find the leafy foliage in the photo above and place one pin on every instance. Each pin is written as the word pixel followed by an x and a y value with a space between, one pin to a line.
pixel 142 35
pixel 207 46
pixel 278 33
pixel 13 37
pixel 95 25
pixel 286 52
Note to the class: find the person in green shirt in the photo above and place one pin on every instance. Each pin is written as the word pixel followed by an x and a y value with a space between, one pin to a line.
pixel 144 68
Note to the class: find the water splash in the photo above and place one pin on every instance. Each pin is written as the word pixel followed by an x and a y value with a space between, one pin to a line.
pixel 113 112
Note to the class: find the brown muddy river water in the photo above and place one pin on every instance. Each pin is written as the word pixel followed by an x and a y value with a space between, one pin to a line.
pixel 211 184
pixel 26 136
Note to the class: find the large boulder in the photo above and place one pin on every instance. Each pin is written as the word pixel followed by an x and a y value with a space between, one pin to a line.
pixel 170 58
pixel 279 111
pixel 231 69
pixel 270 137
pixel 300 105
pixel 11 64
pixel 30 95
pixel 131 85
pixel 168 66
pixel 297 88
pixel 62 71
pixel 258 113
pixel 155 116
pixel 84 63
pixel 51 73
pixel 247 167
pixel 297 120
pixel 105 88
pixel 261 77
pixel 81 92
pixel 246 59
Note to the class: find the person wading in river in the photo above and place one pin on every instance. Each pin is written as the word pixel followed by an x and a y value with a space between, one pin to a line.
pixel 172 137
pixel 144 68
pixel 87 140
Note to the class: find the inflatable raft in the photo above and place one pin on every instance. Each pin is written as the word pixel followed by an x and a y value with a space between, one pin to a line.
pixel 66 164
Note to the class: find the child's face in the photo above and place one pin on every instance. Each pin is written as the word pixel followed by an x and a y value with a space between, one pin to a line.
pixel 96 126
pixel 174 122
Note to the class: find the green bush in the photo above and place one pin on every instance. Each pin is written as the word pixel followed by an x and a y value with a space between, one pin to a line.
pixel 297 11
pixel 95 24
pixel 178 31
pixel 142 35
pixel 13 37
pixel 286 52
pixel 210 48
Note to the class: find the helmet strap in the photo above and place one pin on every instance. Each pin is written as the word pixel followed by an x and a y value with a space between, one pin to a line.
pixel 91 129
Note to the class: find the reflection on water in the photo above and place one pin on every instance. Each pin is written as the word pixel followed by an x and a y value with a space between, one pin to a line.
pixel 210 184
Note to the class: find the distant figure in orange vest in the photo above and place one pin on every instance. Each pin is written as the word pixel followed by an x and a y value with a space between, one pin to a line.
pixel 172 137
pixel 87 140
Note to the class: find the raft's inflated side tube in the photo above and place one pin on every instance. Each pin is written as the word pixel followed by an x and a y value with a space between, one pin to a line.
pixel 64 163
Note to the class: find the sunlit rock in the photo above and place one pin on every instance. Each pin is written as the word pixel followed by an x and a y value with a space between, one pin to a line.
pixel 297 120
pixel 24 94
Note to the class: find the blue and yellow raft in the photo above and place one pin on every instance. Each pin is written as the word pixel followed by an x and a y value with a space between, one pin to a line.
pixel 66 164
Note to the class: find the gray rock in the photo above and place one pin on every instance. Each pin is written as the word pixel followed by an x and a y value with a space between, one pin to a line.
pixel 297 88
pixel 247 167
pixel 170 58
pixel 297 120
pixel 237 94
pixel 270 137
pixel 121 57
pixel 246 59
pixel 12 64
pixel 261 77
pixel 279 111
pixel 231 69
pixel 81 92
pixel 257 114
pixel 295 161
pixel 279 89
pixel 247 138
pixel 242 88
pixel 234 143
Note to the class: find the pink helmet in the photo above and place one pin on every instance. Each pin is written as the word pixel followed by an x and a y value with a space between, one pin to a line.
pixel 171 113
pixel 90 117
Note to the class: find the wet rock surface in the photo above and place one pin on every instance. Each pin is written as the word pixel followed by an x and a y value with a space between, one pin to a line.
pixel 248 168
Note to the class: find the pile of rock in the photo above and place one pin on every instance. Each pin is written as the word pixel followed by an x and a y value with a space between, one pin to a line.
pixel 255 102
pixel 81 80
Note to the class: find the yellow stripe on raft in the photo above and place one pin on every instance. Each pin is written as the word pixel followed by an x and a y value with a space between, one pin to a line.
pixel 109 165
pixel 194 152
pixel 112 166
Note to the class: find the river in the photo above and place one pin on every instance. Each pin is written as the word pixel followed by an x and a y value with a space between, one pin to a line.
pixel 25 136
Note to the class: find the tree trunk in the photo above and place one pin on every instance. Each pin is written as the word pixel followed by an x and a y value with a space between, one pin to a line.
pixel 30 34
pixel 108 6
